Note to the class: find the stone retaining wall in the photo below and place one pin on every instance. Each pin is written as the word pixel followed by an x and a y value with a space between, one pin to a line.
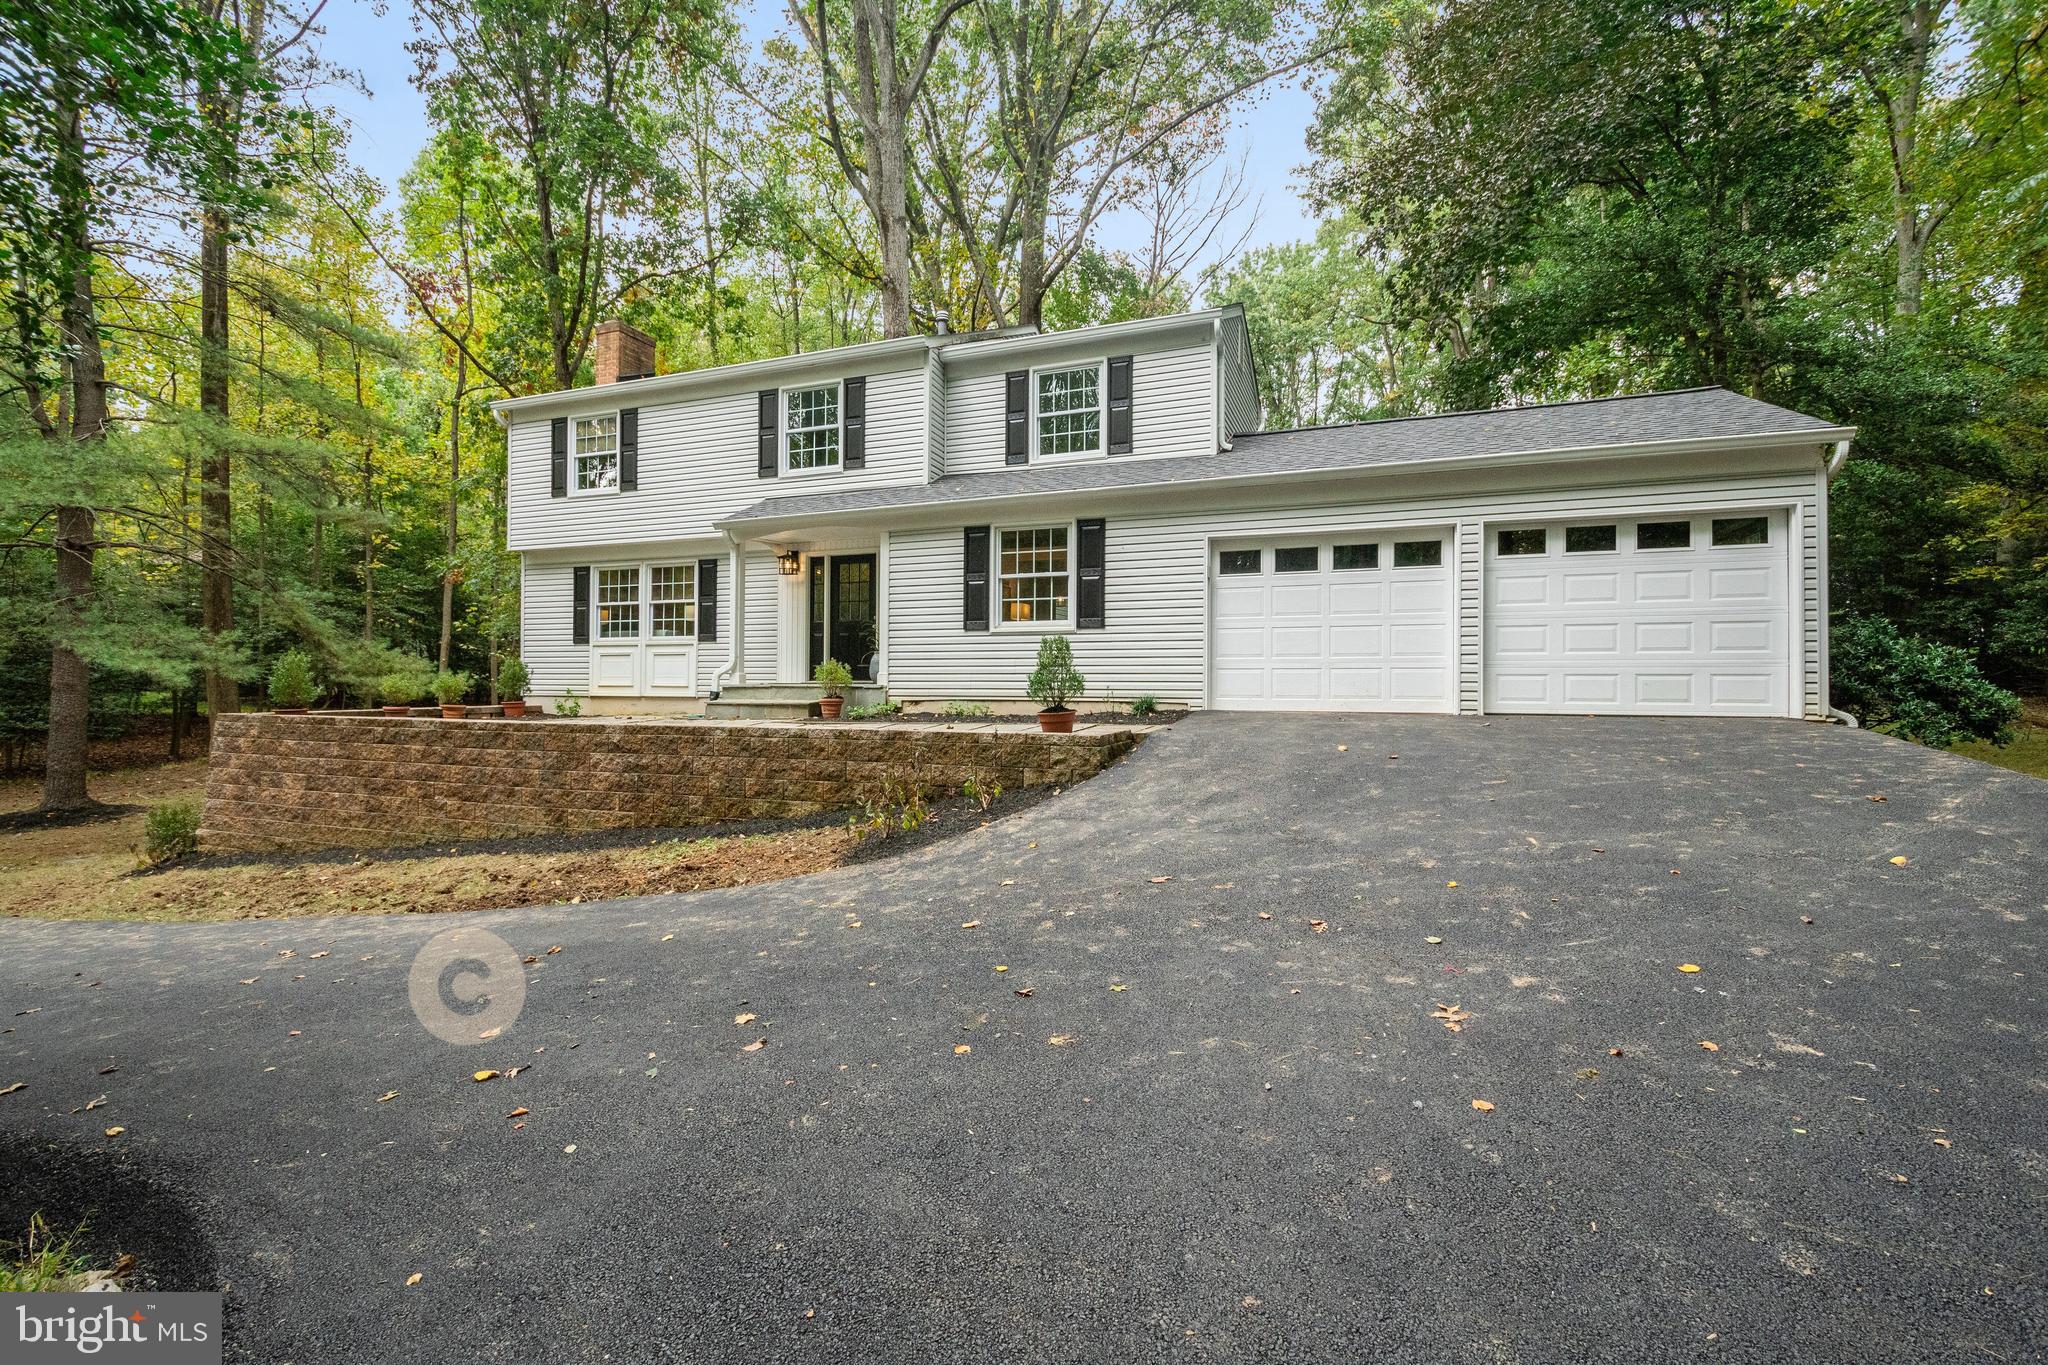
pixel 284 782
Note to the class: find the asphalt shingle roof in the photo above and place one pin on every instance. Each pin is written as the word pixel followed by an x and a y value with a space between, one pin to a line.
pixel 1686 414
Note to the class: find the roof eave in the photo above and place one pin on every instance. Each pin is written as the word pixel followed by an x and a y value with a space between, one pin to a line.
pixel 683 381
pixel 1825 437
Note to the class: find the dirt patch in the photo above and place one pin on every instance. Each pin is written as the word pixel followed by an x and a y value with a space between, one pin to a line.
pixel 145 742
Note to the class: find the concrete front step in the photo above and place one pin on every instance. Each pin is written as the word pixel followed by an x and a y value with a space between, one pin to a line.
pixel 782 701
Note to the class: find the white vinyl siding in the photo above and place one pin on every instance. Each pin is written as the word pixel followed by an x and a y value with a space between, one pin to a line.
pixel 1157 579
pixel 697 463
pixel 935 415
pixel 1173 410
pixel 555 664
pixel 761 658
pixel 1240 387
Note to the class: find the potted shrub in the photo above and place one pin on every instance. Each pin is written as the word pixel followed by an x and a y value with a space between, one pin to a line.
pixel 1053 683
pixel 398 691
pixel 449 689
pixel 835 678
pixel 512 687
pixel 292 688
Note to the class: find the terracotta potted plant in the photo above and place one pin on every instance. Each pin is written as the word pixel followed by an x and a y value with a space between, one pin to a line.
pixel 292 688
pixel 512 687
pixel 835 678
pixel 1053 683
pixel 398 691
pixel 449 689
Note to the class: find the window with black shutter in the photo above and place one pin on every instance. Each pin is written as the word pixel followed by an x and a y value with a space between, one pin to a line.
pixel 854 415
pixel 707 600
pixel 1017 417
pixel 629 449
pixel 767 453
pixel 1119 405
pixel 558 458
pixel 1089 557
pixel 974 579
pixel 579 630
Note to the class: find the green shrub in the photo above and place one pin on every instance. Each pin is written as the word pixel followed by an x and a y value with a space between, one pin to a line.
pixel 1054 681
pixel 880 708
pixel 512 679
pixel 833 676
pixel 291 680
pixel 401 689
pixel 451 687
pixel 171 830
pixel 1145 706
pixel 568 705
pixel 1917 689
pixel 965 710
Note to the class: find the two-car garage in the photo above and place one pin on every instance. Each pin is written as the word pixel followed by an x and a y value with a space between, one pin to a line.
pixel 1669 613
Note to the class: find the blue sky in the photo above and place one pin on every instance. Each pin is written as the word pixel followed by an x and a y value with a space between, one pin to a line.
pixel 389 123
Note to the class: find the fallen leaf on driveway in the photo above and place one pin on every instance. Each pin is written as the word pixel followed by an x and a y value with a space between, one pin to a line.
pixel 1943 1142
pixel 756 1045
pixel 1452 885
pixel 1061 1039
pixel 249 981
pixel 1901 860
pixel 490 1033
pixel 1264 915
pixel 1343 748
pixel 517 1069
pixel 91 1105
pixel 519 1113
pixel 570 1150
pixel 1895 1179
pixel 1318 925
pixel 666 937
pixel 9 1090
pixel 962 1049
pixel 1118 986
pixel 1707 1045
pixel 412 1279
pixel 321 953
pixel 1614 1052
pixel 483 1076
pixel 1157 880
pixel 1432 939
pixel 387 1097
pixel 971 924
pixel 748 1018
pixel 1483 1106
pixel 1453 1017
pixel 1688 967
pixel 116 1131
pixel 1873 798
pixel 1001 968
pixel 1024 991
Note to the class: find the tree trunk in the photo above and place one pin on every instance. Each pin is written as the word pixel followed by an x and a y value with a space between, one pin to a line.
pixel 454 504
pixel 64 748
pixel 888 173
pixel 216 466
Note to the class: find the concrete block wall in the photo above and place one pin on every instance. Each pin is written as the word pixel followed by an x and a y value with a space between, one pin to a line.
pixel 362 781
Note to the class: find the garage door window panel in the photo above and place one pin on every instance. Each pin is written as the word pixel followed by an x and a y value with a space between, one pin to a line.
pixel 1237 561
pixel 1741 531
pixel 1529 540
pixel 1353 557
pixel 1663 535
pixel 1418 554
pixel 1589 540
pixel 1297 559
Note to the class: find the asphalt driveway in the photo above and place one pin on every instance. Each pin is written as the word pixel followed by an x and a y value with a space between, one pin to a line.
pixel 1262 1148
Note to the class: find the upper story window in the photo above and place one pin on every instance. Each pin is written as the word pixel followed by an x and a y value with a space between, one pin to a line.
pixel 1068 415
pixel 810 427
pixel 1034 578
pixel 597 454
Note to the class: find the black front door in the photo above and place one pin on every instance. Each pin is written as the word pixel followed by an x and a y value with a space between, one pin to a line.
pixel 842 593
pixel 853 613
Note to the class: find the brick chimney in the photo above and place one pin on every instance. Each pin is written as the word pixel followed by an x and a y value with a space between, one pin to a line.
pixel 623 351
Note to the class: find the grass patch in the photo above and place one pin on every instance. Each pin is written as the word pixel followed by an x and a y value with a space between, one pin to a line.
pixel 2027 752
pixel 44 1262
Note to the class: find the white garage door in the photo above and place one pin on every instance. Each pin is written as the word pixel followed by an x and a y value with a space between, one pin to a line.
pixel 1655 615
pixel 1358 622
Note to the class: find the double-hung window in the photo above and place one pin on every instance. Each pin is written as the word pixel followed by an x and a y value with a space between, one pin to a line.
pixel 1034 581
pixel 1069 410
pixel 672 601
pixel 618 604
pixel 597 454
pixel 810 427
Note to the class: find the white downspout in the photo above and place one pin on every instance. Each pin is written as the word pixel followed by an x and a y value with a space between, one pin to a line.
pixel 1835 463
pixel 736 587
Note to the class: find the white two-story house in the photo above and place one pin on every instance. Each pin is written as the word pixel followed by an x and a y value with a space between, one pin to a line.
pixel 927 509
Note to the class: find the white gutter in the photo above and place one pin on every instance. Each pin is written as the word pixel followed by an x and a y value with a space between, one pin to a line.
pixel 1080 336
pixel 732 649
pixel 1838 459
pixel 1507 459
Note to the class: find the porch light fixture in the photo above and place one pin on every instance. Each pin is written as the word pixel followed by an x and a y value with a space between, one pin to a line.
pixel 790 562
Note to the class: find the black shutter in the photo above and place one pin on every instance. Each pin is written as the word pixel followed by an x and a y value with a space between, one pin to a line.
pixel 579 633
pixel 853 453
pixel 767 454
pixel 629 450
pixel 707 600
pixel 1017 417
pixel 1089 559
pixel 974 608
pixel 1119 405
pixel 558 457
